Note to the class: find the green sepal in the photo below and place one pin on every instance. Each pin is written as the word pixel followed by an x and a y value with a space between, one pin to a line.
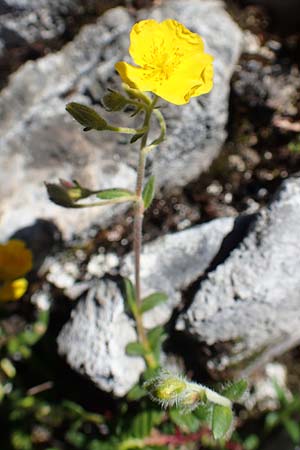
pixel 153 300
pixel 86 116
pixel 130 296
pixel 149 191
pixel 235 390
pixel 221 421
pixel 135 349
pixel 110 194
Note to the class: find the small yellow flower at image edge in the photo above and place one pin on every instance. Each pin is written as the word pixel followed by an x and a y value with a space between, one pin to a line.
pixel 15 262
pixel 170 59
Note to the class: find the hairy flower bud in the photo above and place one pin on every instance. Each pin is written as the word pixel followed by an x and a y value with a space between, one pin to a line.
pixel 166 388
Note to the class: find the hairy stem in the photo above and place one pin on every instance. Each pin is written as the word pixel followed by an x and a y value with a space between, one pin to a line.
pixel 138 225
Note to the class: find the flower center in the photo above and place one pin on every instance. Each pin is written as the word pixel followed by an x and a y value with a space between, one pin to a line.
pixel 162 62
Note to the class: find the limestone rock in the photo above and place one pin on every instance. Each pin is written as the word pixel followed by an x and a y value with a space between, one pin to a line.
pixel 39 141
pixel 251 301
pixel 24 23
pixel 95 338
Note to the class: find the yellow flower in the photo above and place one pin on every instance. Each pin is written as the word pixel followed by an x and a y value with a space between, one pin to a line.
pixel 13 290
pixel 15 260
pixel 171 59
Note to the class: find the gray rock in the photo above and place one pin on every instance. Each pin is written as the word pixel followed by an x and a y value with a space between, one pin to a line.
pixel 40 142
pixel 24 23
pixel 251 301
pixel 171 263
pixel 95 338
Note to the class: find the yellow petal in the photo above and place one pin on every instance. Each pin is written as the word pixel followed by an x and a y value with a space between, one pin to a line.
pixel 13 290
pixel 145 37
pixel 181 37
pixel 193 77
pixel 152 42
pixel 135 77
pixel 15 260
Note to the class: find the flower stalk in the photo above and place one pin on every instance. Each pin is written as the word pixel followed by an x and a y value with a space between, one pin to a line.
pixel 137 233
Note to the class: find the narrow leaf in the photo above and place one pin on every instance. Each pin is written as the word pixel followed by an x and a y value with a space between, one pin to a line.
pixel 149 191
pixel 142 424
pixel 293 429
pixel 235 390
pixel 156 335
pixel 130 296
pixel 221 421
pixel 136 393
pixel 135 349
pixel 136 137
pixel 109 194
pixel 153 300
pixel 86 116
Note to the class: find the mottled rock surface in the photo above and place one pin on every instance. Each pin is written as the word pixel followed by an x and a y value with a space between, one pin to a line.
pixel 40 142
pixel 251 301
pixel 95 337
pixel 24 23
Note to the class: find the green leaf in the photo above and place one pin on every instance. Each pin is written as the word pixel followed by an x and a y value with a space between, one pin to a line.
pixel 221 421
pixel 150 373
pixel 293 429
pixel 136 393
pixel 149 191
pixel 234 391
pixel 73 408
pixel 280 394
pixel 136 137
pixel 110 194
pixel 204 414
pixel 75 438
pixel 186 422
pixel 153 300
pixel 142 423
pixel 130 296
pixel 156 335
pixel 251 442
pixel 272 420
pixel 86 116
pixel 135 349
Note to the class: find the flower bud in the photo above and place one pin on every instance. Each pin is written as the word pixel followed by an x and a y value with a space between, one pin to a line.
pixel 67 193
pixel 166 388
pixel 86 116
pixel 114 101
